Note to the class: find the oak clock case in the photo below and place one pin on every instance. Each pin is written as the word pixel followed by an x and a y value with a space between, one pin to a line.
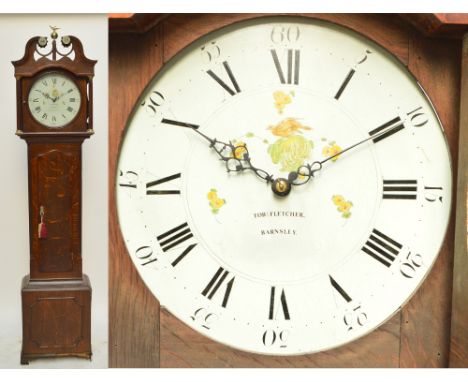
pixel 283 186
pixel 54 92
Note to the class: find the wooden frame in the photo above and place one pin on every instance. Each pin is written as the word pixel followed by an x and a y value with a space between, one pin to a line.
pixel 144 335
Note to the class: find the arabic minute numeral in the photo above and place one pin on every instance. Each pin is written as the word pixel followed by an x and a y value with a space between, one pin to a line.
pixel 271 337
pixel 355 318
pixel 204 318
pixel 433 194
pixel 417 117
pixel 210 52
pixel 409 267
pixel 153 103
pixel 145 255
pixel 128 179
pixel 280 34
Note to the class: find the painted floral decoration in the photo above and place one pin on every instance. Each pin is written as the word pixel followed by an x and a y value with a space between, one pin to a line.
pixel 344 206
pixel 281 100
pixel 215 201
pixel 287 127
pixel 290 152
pixel 330 150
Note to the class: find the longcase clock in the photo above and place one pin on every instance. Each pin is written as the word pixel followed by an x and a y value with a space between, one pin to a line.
pixel 54 115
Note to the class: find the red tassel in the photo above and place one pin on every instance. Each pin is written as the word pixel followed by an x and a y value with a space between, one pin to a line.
pixel 42 231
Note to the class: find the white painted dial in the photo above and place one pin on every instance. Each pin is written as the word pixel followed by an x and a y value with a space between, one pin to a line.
pixel 338 255
pixel 54 100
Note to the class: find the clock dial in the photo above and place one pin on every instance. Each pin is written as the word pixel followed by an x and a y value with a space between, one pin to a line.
pixel 303 105
pixel 54 100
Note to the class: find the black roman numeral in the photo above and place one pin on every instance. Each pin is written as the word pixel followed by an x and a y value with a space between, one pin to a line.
pixel 283 304
pixel 183 254
pixel 160 181
pixel 174 237
pixel 345 83
pixel 223 84
pixel 400 189
pixel 382 248
pixel 339 289
pixel 292 66
pixel 178 123
pixel 391 127
pixel 216 282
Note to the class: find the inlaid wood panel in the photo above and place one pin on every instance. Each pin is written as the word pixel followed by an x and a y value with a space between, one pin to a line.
pixel 55 184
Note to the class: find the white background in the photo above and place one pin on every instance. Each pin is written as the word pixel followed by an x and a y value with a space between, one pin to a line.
pixel 14 227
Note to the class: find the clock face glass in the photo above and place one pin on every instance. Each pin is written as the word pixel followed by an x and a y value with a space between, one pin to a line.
pixel 54 100
pixel 339 254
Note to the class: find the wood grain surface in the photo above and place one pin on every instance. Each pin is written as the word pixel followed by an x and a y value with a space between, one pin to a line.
pixel 435 63
pixel 459 319
pixel 141 334
pixel 133 311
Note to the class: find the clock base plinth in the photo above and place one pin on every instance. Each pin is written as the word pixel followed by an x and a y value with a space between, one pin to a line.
pixel 56 319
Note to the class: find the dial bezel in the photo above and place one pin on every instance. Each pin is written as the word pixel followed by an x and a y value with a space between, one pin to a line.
pixel 69 76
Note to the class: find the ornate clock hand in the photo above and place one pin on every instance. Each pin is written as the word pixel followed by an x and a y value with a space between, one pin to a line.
pixel 305 172
pixel 236 158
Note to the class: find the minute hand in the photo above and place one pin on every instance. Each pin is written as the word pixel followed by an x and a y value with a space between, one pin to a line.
pixel 392 127
pixel 307 171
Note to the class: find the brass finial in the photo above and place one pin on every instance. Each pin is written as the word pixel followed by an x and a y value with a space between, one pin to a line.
pixel 54 33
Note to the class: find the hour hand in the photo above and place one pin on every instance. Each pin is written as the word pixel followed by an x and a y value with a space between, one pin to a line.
pixel 235 157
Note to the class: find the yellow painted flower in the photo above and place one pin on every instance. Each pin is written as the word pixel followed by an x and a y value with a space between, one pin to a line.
pixel 215 202
pixel 330 150
pixel 290 152
pixel 288 127
pixel 240 149
pixel 344 206
pixel 212 195
pixel 281 100
pixel 338 199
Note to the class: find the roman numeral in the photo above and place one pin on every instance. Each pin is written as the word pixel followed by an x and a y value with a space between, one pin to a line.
pixel 69 109
pixel 160 181
pixel 37 109
pixel 216 282
pixel 387 129
pixel 183 254
pixel 174 237
pixel 178 123
pixel 345 83
pixel 339 289
pixel 281 303
pixel 222 83
pixel 400 189
pixel 292 66
pixel 382 248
